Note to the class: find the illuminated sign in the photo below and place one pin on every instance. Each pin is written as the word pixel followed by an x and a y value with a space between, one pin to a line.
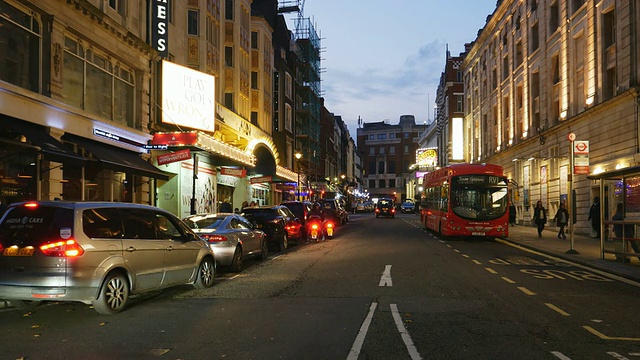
pixel 174 139
pixel 261 179
pixel 188 97
pixel 115 137
pixel 174 157
pixel 160 24
pixel 233 172
pixel 426 157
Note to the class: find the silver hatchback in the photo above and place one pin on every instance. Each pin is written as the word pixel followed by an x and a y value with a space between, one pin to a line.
pixel 96 253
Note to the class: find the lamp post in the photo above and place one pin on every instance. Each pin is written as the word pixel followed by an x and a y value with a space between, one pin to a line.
pixel 298 156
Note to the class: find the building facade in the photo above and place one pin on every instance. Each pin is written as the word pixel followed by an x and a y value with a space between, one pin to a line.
pixel 541 70
pixel 388 155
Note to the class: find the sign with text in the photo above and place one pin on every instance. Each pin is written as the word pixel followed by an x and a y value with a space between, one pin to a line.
pixel 175 138
pixel 233 172
pixel 580 157
pixel 261 179
pixel 160 26
pixel 174 157
pixel 188 97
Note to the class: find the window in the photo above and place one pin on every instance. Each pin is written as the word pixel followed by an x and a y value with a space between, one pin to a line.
pixel 459 76
pixel 91 82
pixel 533 4
pixel 382 136
pixel 228 101
pixel 505 67
pixel 372 167
pixel 228 56
pixel 372 151
pixel 192 22
pixel 392 183
pixel 382 183
pixel 288 111
pixel 371 137
pixel 519 54
pixel 459 102
pixel 392 150
pixel 20 41
pixel 138 224
pixel 381 150
pixel 554 17
pixel 392 135
pixel 288 86
pixel 392 167
pixel 555 69
pixel 254 80
pixel 406 135
pixel 609 28
pixel 380 167
pixel 166 228
pixel 254 118
pixel 118 6
pixel 102 223
pixel 406 149
pixel 535 37
pixel 254 40
pixel 577 4
pixel 372 183
pixel 228 10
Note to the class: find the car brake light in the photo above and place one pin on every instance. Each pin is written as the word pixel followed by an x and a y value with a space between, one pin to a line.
pixel 329 225
pixel 393 210
pixel 214 238
pixel 63 248
pixel 314 226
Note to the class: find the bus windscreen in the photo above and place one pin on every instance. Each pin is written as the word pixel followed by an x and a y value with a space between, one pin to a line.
pixel 479 197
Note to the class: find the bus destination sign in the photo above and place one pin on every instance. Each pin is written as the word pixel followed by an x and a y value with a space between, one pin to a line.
pixel 480 180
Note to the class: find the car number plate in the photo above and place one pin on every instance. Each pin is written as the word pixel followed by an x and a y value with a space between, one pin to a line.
pixel 14 251
pixel 478 234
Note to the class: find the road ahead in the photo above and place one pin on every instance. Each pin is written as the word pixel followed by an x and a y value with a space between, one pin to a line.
pixel 382 289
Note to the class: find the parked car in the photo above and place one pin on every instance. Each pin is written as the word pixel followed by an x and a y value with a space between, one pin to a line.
pixel 334 211
pixel 277 221
pixel 300 209
pixel 361 207
pixel 385 207
pixel 407 207
pixel 231 236
pixel 97 253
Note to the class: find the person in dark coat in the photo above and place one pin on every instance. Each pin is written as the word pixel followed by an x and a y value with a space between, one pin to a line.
pixel 540 217
pixel 226 207
pixel 627 230
pixel 594 216
pixel 512 214
pixel 562 219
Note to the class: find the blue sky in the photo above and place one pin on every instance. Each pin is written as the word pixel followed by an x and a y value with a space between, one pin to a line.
pixel 383 58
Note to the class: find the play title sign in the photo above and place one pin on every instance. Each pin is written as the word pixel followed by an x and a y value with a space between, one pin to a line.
pixel 160 24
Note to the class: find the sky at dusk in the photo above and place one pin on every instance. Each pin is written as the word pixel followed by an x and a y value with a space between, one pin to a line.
pixel 383 58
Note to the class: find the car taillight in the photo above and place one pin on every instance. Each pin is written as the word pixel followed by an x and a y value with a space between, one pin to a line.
pixel 329 225
pixel 314 226
pixel 214 238
pixel 377 210
pixel 63 248
pixel 31 205
pixel 393 210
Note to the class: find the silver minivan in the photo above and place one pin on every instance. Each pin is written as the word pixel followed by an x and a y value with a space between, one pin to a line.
pixel 97 253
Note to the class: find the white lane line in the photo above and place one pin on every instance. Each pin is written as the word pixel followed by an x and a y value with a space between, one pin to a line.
pixel 385 280
pixel 357 344
pixel 559 355
pixel 615 355
pixel 413 352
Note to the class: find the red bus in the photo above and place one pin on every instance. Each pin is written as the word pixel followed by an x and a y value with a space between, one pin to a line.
pixel 467 200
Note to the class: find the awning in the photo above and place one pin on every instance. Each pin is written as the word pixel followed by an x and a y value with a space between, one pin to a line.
pixel 617 174
pixel 114 158
pixel 35 134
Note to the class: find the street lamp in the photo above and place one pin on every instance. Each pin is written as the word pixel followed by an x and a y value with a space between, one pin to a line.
pixel 298 156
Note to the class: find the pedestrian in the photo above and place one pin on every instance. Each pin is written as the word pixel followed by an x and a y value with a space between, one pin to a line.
pixel 512 214
pixel 244 205
pixel 226 207
pixel 594 216
pixel 626 231
pixel 562 219
pixel 253 203
pixel 540 217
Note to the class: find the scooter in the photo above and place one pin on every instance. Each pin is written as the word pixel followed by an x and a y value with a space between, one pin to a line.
pixel 315 228
pixel 328 226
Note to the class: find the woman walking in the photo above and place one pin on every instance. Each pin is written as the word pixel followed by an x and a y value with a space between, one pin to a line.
pixel 562 219
pixel 540 217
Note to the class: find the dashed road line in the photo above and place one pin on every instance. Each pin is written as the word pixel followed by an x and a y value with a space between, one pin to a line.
pixel 477 262
pixel 491 271
pixel 605 337
pixel 526 291
pixel 508 280
pixel 557 309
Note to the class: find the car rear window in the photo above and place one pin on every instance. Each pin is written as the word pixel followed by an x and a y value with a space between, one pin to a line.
pixel 205 223
pixel 384 202
pixel 260 212
pixel 35 225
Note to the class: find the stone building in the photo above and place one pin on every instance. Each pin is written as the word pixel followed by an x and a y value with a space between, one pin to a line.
pixel 540 70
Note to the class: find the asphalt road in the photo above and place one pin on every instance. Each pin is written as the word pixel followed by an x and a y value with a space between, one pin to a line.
pixel 382 289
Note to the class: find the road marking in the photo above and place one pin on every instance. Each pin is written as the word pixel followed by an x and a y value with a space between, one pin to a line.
pixel 465 255
pixel 413 352
pixel 616 355
pixel 559 355
pixel 603 273
pixel 477 262
pixel 357 344
pixel 605 337
pixel 557 309
pixel 385 280
pixel 508 280
pixel 491 270
pixel 526 291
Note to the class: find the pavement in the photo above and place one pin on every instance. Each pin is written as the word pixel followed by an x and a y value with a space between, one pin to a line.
pixel 586 250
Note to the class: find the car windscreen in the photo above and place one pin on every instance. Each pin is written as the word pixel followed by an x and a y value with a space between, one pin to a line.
pixel 35 225
pixel 204 222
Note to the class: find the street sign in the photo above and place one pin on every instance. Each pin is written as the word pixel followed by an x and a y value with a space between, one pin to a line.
pixel 580 157
pixel 571 137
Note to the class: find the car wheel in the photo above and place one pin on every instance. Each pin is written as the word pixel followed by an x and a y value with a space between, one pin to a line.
pixel 284 243
pixel 113 296
pixel 236 263
pixel 26 305
pixel 206 274
pixel 265 250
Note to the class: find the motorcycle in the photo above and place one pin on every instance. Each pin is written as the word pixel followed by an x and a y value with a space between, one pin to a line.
pixel 318 229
